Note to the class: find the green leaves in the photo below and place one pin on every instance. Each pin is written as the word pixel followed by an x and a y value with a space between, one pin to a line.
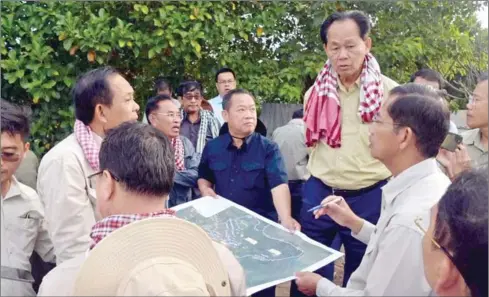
pixel 273 47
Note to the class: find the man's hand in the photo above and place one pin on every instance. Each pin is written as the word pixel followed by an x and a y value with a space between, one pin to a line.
pixel 461 162
pixel 307 282
pixel 208 192
pixel 455 162
pixel 291 224
pixel 337 209
pixel 444 156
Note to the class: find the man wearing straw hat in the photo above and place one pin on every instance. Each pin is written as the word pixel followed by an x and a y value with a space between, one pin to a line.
pixel 139 247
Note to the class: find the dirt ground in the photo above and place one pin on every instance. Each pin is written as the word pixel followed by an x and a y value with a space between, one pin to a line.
pixel 284 289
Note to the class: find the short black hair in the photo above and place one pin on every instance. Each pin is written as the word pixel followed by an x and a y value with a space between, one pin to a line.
pixel 92 88
pixel 152 104
pixel 226 100
pixel 461 227
pixel 483 76
pixel 298 114
pixel 162 84
pixel 426 118
pixel 429 75
pixel 359 17
pixel 141 157
pixel 225 70
pixel 423 90
pixel 190 86
pixel 15 119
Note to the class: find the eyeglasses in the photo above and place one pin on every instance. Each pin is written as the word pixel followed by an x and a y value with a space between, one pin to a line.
pixel 418 221
pixel 171 115
pixel 190 97
pixel 10 157
pixel 92 179
pixel 223 82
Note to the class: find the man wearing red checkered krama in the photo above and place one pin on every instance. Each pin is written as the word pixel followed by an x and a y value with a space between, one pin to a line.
pixel 339 106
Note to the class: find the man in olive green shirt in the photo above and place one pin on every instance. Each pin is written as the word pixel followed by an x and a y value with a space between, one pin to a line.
pixel 349 170
pixel 473 151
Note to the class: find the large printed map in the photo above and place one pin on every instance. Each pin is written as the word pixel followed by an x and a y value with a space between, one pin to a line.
pixel 268 253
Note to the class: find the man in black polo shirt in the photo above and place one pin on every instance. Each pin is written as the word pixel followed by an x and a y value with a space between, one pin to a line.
pixel 244 166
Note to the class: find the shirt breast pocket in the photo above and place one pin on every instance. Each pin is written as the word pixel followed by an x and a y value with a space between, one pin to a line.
pixel 253 175
pixel 23 231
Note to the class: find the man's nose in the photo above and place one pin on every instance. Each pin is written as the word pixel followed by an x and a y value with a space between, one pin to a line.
pixel 343 53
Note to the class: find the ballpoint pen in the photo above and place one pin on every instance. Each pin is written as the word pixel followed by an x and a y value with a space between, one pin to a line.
pixel 321 205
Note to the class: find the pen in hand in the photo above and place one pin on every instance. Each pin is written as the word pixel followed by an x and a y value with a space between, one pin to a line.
pixel 321 205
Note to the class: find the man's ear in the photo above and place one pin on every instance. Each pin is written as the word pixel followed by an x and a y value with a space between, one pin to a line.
pixel 368 43
pixel 99 113
pixel 106 185
pixel 27 147
pixel 225 115
pixel 449 281
pixel 407 136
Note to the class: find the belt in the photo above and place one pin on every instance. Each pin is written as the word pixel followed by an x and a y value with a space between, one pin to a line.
pixel 15 274
pixel 296 181
pixel 354 193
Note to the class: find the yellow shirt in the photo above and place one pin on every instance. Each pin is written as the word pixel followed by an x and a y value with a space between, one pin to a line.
pixel 350 167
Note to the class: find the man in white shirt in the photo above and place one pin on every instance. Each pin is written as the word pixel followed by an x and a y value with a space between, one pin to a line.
pixel 225 82
pixel 291 140
pixel 405 136
pixel 22 217
pixel 103 100
pixel 133 183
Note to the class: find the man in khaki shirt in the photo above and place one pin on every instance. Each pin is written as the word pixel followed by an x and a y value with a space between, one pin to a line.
pixel 473 151
pixel 349 170
pixel 133 184
pixel 103 99
pixel 22 217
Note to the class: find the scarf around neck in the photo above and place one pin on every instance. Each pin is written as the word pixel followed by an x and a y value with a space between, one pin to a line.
pixel 322 114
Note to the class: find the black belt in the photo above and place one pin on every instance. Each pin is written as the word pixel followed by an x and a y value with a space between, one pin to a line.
pixel 353 193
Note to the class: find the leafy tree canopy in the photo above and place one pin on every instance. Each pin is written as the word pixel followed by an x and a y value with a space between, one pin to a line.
pixel 274 47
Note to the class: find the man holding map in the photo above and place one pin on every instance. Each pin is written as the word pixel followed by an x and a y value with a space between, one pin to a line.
pixel 246 167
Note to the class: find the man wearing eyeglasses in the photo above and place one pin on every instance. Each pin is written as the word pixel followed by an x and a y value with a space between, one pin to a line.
pixel 405 136
pixel 23 226
pixel 165 116
pixel 198 125
pixel 473 151
pixel 225 82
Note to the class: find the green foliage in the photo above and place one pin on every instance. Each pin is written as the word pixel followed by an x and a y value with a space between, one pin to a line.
pixel 274 47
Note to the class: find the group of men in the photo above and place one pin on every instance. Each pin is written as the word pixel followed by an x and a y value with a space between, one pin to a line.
pixel 364 148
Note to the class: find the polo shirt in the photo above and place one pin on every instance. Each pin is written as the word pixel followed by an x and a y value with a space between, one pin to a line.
pixel 244 175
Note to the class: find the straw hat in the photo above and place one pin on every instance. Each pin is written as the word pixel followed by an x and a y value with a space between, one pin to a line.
pixel 154 257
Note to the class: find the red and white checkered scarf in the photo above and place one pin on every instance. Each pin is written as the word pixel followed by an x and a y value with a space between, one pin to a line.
pixel 177 144
pixel 323 110
pixel 109 224
pixel 90 149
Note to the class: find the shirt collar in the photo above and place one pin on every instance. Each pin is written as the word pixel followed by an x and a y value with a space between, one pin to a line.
pixel 111 223
pixel 474 138
pixel 343 88
pixel 14 190
pixel 245 144
pixel 297 122
pixel 407 178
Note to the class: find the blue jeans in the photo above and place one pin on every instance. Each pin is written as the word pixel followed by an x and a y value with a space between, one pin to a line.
pixel 324 230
